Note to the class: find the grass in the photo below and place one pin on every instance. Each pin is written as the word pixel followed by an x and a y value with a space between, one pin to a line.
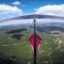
pixel 23 51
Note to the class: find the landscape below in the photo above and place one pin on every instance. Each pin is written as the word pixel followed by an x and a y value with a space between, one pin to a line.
pixel 16 49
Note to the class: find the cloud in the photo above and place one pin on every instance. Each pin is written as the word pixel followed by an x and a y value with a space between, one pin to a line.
pixel 16 3
pixel 7 9
pixel 51 10
pixel 17 22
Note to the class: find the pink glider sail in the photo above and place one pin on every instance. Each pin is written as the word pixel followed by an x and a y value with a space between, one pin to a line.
pixel 38 40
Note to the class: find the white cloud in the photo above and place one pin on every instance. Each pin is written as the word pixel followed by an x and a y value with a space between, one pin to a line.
pixel 16 3
pixel 51 10
pixel 7 9
pixel 17 22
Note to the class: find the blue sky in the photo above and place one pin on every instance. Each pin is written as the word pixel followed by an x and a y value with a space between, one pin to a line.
pixel 13 8
pixel 28 6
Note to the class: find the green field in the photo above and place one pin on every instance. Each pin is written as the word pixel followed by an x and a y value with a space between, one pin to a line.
pixel 51 50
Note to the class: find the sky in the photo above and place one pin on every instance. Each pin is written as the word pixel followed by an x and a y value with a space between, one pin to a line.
pixel 14 8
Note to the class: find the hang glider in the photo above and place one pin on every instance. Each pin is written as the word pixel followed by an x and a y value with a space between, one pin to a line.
pixel 32 16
